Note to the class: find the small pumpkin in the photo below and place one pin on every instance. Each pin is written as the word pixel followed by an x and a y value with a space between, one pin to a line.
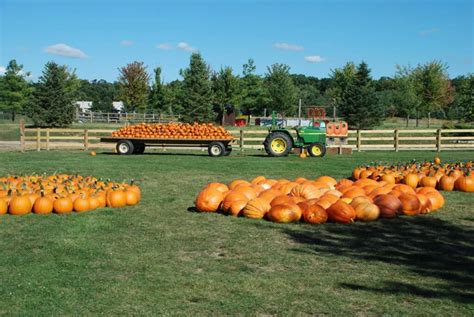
pixel 63 205
pixel 3 206
pixel 43 205
pixel 116 198
pixel 82 204
pixel 19 205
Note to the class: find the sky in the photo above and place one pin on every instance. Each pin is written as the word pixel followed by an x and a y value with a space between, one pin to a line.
pixel 313 37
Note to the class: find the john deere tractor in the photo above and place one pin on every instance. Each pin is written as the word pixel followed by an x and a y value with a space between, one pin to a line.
pixel 279 141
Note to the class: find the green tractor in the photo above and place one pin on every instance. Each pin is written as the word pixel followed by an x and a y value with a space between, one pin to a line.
pixel 279 141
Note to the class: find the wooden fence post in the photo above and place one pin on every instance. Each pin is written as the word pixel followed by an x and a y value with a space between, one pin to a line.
pixel 438 140
pixel 38 139
pixel 22 135
pixel 241 140
pixel 359 141
pixel 108 117
pixel 92 117
pixel 395 140
pixel 47 139
pixel 86 139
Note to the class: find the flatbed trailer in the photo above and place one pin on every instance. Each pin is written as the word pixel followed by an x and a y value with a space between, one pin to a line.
pixel 127 146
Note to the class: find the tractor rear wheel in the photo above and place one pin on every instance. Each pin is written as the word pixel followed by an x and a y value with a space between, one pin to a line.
pixel 316 149
pixel 278 144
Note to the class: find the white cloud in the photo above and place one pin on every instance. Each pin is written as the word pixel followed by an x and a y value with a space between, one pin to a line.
pixel 314 59
pixel 2 70
pixel 164 46
pixel 186 47
pixel 288 47
pixel 429 32
pixel 65 50
pixel 126 43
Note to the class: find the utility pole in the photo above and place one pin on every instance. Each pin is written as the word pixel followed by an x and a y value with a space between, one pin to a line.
pixel 334 113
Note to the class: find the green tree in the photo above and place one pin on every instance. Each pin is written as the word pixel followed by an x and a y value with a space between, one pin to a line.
pixel 133 81
pixel 358 101
pixel 14 89
pixel 341 78
pixel 463 105
pixel 52 102
pixel 226 92
pixel 253 90
pixel 100 92
pixel 281 89
pixel 406 97
pixel 158 95
pixel 196 94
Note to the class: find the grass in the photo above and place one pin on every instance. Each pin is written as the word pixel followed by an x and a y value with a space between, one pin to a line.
pixel 160 258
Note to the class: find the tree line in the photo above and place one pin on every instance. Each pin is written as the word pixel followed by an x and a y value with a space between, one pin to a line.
pixel 203 94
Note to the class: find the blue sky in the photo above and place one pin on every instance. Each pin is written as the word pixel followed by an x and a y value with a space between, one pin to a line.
pixel 312 37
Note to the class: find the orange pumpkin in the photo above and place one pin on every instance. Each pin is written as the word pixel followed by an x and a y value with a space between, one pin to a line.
pixel 411 205
pixel 389 205
pixel 3 206
pixel 465 183
pixel 230 198
pixel 412 180
pixel 236 207
pixel 63 205
pixel 81 204
pixel 218 186
pixel 19 205
pixel 43 205
pixel 425 203
pixel 341 212
pixel 306 190
pixel 446 183
pixel 284 213
pixel 247 191
pixel 428 181
pixel 282 199
pixel 436 199
pixel 256 208
pixel 208 200
pixel 314 214
pixel 131 197
pixel 367 212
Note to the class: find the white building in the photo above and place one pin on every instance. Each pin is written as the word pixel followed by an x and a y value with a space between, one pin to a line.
pixel 118 105
pixel 83 106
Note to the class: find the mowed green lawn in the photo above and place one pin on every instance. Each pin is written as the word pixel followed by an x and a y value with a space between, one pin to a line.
pixel 160 258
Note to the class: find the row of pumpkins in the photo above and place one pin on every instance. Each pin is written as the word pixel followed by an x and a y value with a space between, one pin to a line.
pixel 63 193
pixel 174 131
pixel 443 176
pixel 317 201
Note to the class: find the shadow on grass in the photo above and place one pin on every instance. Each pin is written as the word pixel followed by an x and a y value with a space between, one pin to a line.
pixel 440 253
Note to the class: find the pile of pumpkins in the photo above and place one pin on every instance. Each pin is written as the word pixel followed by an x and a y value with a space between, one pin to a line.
pixel 317 201
pixel 174 131
pixel 62 193
pixel 443 176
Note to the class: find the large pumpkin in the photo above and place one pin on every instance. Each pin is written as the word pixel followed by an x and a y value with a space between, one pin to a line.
pixel 283 199
pixel 367 212
pixel 389 205
pixel 284 213
pixel 218 186
pixel 314 214
pixel 436 199
pixel 306 190
pixel 411 205
pixel 236 207
pixel 270 194
pixel 341 212
pixel 209 200
pixel 247 191
pixel 230 198
pixel 256 208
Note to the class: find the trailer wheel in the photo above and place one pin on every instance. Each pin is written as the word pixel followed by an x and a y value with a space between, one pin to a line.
pixel 139 148
pixel 316 149
pixel 228 151
pixel 216 149
pixel 125 147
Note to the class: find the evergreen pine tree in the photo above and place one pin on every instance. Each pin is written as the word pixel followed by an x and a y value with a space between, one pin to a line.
pixel 52 103
pixel 196 91
pixel 14 89
pixel 158 100
pixel 254 93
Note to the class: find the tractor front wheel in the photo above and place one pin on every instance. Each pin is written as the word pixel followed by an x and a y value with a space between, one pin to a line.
pixel 278 144
pixel 316 149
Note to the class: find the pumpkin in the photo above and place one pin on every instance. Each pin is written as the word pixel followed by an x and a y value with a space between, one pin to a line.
pixel 3 206
pixel 360 200
pixel 116 198
pixel 314 214
pixel 331 182
pixel 218 186
pixel 82 204
pixel 93 153
pixel 412 180
pixel 208 200
pixel 367 211
pixel 306 190
pixel 389 205
pixel 286 188
pixel 428 181
pixel 247 191
pixel 43 205
pixel 411 205
pixel 284 213
pixel 63 205
pixel 404 188
pixel 446 183
pixel 256 208
pixel 436 199
pixel 236 207
pixel 341 212
pixel 282 199
pixel 19 205
pixel 230 198
pixel 389 178
pixel 238 182
pixel 257 180
pixel 425 203
pixel 270 194
pixel 94 202
pixel 437 160
pixel 131 197
pixel 353 192
pixel 465 183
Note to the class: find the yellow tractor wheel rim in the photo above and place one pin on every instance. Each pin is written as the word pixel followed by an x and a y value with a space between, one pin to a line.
pixel 278 145
pixel 316 150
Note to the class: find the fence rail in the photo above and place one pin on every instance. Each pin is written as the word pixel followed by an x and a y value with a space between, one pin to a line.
pixel 112 117
pixel 358 140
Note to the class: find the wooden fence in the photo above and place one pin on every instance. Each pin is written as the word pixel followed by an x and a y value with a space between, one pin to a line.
pixel 358 140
